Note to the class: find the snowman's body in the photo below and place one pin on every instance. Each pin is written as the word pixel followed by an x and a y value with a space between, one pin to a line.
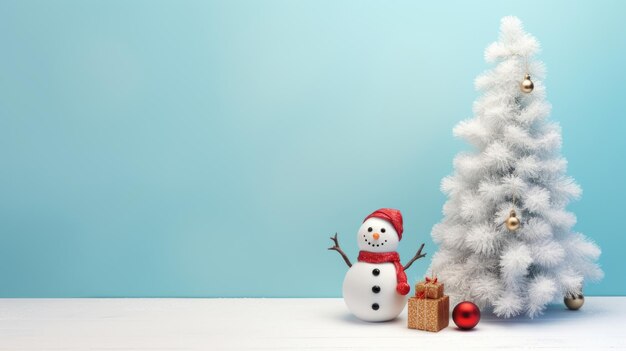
pixel 369 289
pixel 373 297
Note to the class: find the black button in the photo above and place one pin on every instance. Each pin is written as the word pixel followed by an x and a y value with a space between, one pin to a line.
pixel 375 307
pixel 376 289
pixel 376 271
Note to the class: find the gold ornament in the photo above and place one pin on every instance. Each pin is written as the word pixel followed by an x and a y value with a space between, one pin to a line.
pixel 527 85
pixel 574 301
pixel 512 223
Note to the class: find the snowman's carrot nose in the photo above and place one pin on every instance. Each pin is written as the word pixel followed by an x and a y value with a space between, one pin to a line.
pixel 376 236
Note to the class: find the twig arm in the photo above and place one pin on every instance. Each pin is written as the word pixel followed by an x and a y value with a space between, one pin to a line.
pixel 417 256
pixel 338 249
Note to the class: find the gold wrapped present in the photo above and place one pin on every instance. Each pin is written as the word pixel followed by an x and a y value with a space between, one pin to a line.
pixel 430 288
pixel 429 314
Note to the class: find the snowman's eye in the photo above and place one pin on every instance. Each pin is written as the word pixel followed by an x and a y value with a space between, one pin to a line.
pixel 369 229
pixel 382 230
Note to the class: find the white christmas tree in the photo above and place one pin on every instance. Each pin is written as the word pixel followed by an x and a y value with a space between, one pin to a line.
pixel 516 165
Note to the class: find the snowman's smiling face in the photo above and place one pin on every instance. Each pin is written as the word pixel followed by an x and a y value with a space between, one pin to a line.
pixel 377 235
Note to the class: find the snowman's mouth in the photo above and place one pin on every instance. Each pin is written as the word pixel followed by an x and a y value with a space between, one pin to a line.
pixel 373 244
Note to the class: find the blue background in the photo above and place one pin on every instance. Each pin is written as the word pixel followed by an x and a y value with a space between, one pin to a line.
pixel 163 148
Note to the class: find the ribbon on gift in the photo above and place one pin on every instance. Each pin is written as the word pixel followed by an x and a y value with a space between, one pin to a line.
pixel 431 280
pixel 422 294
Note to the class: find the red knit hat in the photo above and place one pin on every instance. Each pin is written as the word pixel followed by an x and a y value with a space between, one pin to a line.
pixel 390 215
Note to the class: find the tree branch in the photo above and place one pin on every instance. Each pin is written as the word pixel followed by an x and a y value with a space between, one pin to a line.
pixel 338 249
pixel 417 256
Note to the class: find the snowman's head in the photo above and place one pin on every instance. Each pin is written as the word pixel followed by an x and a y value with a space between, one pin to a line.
pixel 377 235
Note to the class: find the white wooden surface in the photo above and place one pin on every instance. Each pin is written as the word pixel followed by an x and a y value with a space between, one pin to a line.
pixel 285 324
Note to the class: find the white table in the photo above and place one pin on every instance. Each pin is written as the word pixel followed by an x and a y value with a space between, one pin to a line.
pixel 285 324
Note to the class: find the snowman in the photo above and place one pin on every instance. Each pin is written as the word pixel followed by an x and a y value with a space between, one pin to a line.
pixel 375 288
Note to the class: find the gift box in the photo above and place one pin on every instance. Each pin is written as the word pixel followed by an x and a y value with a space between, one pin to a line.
pixel 431 288
pixel 429 314
pixel 429 309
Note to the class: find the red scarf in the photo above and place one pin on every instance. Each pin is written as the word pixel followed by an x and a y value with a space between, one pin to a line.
pixel 402 286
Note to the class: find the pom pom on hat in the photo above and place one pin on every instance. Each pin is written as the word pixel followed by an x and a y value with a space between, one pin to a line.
pixel 393 216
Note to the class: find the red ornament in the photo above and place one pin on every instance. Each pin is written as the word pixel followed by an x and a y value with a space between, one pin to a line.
pixel 466 315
